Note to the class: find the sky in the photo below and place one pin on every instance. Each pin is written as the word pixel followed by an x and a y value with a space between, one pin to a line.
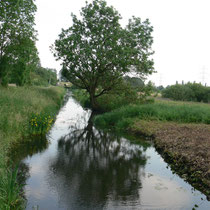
pixel 181 34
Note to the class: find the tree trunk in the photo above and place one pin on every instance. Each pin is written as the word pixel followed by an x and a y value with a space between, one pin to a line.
pixel 93 102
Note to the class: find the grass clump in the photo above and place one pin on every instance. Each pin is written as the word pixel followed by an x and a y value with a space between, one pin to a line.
pixel 10 190
pixel 123 117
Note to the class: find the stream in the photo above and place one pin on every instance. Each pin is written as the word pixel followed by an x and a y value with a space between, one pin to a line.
pixel 79 167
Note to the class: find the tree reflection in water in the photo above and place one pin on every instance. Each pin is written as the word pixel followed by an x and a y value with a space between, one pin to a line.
pixel 93 167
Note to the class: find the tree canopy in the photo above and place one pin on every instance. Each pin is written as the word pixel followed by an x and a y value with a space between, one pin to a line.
pixel 96 51
pixel 18 53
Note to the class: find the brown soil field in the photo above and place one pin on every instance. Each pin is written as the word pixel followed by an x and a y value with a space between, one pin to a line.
pixel 186 147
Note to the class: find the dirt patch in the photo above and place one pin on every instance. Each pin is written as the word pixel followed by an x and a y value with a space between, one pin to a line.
pixel 185 146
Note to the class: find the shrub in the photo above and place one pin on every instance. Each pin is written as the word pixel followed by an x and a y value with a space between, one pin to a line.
pixel 188 92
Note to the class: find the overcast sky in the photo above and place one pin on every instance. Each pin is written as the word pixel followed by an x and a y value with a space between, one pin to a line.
pixel 181 34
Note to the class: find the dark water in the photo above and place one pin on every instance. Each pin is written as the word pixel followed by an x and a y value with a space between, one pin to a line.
pixel 84 168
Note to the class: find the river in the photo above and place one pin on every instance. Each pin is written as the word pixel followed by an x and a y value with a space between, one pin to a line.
pixel 79 167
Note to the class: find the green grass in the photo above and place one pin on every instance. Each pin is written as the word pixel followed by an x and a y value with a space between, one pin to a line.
pixel 18 107
pixel 123 117
pixel 10 191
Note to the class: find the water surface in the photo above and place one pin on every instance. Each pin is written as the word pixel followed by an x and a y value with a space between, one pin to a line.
pixel 85 168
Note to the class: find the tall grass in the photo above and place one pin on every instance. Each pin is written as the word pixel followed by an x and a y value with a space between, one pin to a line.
pixel 10 190
pixel 181 113
pixel 18 107
pixel 18 104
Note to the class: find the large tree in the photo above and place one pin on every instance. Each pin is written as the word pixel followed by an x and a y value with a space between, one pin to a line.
pixel 17 39
pixel 96 51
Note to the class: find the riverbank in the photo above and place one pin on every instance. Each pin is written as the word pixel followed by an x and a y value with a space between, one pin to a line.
pixel 24 111
pixel 180 132
pixel 184 146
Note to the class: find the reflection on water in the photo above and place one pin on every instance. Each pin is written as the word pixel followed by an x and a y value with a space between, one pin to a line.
pixel 99 166
pixel 86 168
pixel 28 147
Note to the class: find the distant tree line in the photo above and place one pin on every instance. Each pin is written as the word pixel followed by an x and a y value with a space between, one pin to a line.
pixel 19 60
pixel 187 92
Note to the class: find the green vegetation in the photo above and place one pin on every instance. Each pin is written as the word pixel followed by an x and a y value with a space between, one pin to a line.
pixel 187 92
pixel 43 77
pixel 19 60
pixel 24 111
pixel 96 58
pixel 40 123
pixel 18 53
pixel 19 104
pixel 182 113
pixel 124 94
pixel 27 110
pixel 135 82
pixel 10 190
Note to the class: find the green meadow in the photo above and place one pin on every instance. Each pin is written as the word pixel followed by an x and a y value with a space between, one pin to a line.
pixel 180 112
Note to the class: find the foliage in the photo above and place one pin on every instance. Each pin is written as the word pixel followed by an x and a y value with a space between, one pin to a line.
pixel 18 53
pixel 122 95
pixel 135 82
pixel 159 88
pixel 97 52
pixel 183 113
pixel 81 96
pixel 43 76
pixel 187 92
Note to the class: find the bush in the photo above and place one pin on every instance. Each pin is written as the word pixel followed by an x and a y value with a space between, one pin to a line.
pixel 188 92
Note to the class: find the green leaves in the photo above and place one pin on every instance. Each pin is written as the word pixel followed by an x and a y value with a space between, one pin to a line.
pixel 17 40
pixel 96 51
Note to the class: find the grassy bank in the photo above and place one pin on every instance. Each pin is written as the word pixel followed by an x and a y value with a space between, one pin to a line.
pixel 24 111
pixel 174 112
pixel 180 131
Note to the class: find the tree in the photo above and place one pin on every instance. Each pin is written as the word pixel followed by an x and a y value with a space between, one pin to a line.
pixel 135 82
pixel 17 40
pixel 96 52
pixel 44 76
